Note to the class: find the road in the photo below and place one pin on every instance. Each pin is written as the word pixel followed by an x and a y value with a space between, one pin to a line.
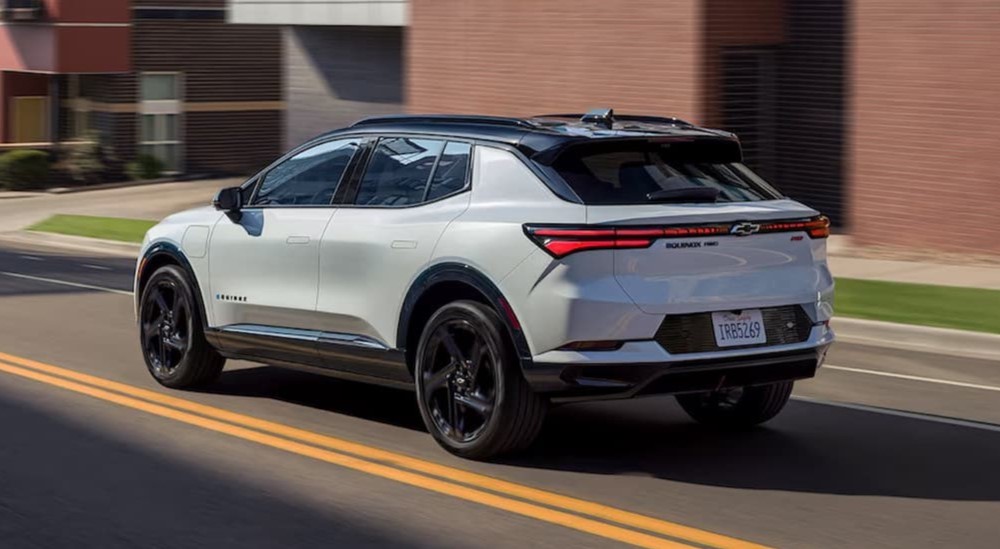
pixel 885 448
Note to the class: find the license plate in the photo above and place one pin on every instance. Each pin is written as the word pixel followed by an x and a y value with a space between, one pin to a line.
pixel 735 329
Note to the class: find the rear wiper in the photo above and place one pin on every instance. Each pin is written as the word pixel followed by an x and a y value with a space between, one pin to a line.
pixel 685 194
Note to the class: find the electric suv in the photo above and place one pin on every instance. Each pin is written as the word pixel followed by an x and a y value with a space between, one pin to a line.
pixel 497 266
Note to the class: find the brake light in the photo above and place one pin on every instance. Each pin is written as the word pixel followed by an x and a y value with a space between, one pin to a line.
pixel 818 227
pixel 560 242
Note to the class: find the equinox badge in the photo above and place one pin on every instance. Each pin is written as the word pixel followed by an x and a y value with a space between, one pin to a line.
pixel 744 228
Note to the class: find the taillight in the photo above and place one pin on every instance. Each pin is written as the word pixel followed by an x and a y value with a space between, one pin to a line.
pixel 818 227
pixel 560 242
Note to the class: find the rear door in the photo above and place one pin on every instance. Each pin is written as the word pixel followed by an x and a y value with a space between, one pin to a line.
pixel 264 268
pixel 382 237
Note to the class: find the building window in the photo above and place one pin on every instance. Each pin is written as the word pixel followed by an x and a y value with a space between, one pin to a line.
pixel 160 118
pixel 79 110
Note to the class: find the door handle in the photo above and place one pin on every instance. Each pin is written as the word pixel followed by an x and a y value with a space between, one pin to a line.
pixel 297 240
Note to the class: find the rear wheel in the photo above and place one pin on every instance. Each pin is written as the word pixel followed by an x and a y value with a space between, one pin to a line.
pixel 471 394
pixel 739 406
pixel 172 336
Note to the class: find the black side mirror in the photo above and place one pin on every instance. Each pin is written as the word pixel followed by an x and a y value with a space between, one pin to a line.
pixel 229 200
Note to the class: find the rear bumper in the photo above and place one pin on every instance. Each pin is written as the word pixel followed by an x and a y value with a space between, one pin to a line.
pixel 586 381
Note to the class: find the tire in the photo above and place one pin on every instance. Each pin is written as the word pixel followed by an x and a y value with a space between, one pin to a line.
pixel 171 332
pixel 737 408
pixel 470 390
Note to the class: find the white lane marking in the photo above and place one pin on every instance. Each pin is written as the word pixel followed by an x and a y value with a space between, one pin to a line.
pixel 899 413
pixel 913 378
pixel 96 267
pixel 66 283
pixel 31 257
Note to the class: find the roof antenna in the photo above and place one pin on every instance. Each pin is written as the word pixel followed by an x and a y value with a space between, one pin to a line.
pixel 601 117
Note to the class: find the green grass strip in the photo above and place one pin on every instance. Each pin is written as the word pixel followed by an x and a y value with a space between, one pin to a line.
pixel 941 306
pixel 108 228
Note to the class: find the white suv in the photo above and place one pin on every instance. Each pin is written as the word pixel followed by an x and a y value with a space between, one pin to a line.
pixel 497 266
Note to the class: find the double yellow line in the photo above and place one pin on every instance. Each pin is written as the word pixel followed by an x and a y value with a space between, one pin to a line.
pixel 585 516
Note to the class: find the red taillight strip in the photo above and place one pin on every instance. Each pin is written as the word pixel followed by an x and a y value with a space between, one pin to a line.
pixel 562 241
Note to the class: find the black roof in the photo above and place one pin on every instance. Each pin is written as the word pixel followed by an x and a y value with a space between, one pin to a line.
pixel 538 133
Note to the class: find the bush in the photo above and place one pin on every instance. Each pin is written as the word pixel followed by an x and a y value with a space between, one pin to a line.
pixel 84 161
pixel 145 167
pixel 24 169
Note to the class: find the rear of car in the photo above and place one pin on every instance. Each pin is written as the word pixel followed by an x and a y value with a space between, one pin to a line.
pixel 690 273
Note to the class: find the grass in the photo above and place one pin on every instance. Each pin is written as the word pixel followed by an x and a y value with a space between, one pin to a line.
pixel 942 306
pixel 108 228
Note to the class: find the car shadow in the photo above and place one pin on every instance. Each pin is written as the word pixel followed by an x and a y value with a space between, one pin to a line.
pixel 809 448
pixel 372 402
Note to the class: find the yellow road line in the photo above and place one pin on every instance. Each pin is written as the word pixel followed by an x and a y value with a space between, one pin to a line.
pixel 537 512
pixel 536 495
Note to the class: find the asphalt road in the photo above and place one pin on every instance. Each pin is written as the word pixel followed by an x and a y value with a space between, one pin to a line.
pixel 95 454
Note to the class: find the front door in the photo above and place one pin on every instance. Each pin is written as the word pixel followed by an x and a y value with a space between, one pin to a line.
pixel 30 120
pixel 264 268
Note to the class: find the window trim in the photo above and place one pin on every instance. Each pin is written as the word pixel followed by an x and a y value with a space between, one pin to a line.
pixel 257 180
pixel 352 194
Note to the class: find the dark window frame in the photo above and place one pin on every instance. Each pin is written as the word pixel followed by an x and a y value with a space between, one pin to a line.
pixel 347 200
pixel 256 181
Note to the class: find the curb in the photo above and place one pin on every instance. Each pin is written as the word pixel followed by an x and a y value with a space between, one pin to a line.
pixel 80 243
pixel 911 337
pixel 125 184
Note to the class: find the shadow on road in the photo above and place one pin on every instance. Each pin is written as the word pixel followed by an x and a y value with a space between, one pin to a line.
pixel 67 484
pixel 809 448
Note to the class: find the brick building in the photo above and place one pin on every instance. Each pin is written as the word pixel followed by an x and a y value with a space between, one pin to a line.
pixel 169 78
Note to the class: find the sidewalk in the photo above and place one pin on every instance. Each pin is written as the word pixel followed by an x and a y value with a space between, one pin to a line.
pixel 20 210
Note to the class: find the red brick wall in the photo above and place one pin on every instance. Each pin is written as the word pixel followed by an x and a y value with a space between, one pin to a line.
pixel 925 158
pixel 523 57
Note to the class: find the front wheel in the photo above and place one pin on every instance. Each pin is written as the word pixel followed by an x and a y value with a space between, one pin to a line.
pixel 470 390
pixel 172 336
pixel 737 407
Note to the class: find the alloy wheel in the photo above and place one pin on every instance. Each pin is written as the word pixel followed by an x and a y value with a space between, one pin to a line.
pixel 166 327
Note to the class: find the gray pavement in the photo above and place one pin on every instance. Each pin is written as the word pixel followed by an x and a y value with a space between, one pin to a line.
pixel 860 459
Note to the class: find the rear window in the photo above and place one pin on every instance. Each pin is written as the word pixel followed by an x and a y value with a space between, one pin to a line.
pixel 644 172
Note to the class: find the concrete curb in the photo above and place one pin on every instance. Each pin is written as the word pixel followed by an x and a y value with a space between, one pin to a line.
pixel 80 243
pixel 849 330
pixel 918 338
pixel 124 184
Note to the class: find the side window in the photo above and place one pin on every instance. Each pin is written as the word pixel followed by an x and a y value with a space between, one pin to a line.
pixel 398 171
pixel 308 178
pixel 452 170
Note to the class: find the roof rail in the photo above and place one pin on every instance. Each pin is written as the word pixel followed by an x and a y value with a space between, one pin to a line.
pixel 626 118
pixel 444 118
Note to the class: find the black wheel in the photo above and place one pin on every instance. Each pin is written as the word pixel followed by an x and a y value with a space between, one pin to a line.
pixel 739 406
pixel 470 390
pixel 172 337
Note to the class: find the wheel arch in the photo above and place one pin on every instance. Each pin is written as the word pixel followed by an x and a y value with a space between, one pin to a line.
pixel 161 254
pixel 447 282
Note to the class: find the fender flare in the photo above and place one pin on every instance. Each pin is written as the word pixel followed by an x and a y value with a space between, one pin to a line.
pixel 460 272
pixel 175 253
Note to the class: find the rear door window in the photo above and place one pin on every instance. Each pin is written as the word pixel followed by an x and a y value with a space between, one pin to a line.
pixel 642 172
pixel 452 172
pixel 399 171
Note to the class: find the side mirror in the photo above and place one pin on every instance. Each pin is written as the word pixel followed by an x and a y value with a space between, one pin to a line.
pixel 229 200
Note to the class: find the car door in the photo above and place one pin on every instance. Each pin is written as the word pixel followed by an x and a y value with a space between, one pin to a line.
pixel 264 266
pixel 383 237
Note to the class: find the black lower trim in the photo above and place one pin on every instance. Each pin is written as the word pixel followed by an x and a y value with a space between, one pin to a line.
pixel 342 355
pixel 597 381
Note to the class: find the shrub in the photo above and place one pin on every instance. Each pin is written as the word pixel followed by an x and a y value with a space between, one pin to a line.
pixel 145 167
pixel 24 169
pixel 84 161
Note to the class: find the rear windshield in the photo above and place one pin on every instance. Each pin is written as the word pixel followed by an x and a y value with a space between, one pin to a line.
pixel 643 173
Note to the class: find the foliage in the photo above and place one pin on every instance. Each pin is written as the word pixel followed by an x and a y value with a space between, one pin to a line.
pixel 145 167
pixel 24 169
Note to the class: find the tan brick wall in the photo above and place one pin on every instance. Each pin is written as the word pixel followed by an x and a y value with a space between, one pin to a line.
pixel 523 57
pixel 925 158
